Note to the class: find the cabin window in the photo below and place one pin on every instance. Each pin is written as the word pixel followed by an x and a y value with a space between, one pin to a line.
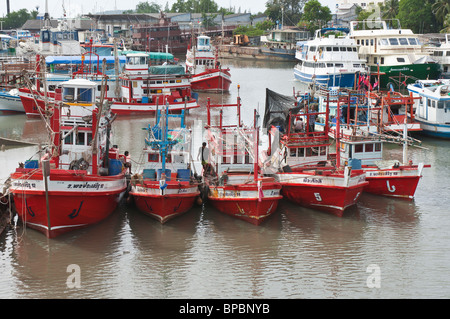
pixel 153 157
pixel 293 152
pixel 330 65
pixel 301 152
pixel 400 59
pixel 384 42
pixel 312 49
pixel 51 87
pixel 84 95
pixel 377 147
pixel 440 104
pixel 68 140
pixel 335 49
pixel 342 49
pixel 447 53
pixel 349 49
pixel 99 88
pixel 375 59
pixel 81 138
pixel 382 60
pixel 357 42
pixel 339 65
pixel 393 41
pixel 368 148
pixel 329 49
pixel 68 94
pixel 354 49
pixel 413 41
pixel 403 41
pixel 89 138
pixel 367 42
pixel 371 42
pixel 323 151
pixel 359 148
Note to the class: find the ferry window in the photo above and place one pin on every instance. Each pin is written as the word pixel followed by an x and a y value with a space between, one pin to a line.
pixel 440 104
pixel 293 152
pixel 328 49
pixel 371 41
pixel 377 147
pixel 412 41
pixel 368 148
pixel 393 41
pixel 383 42
pixel 330 65
pixel 354 49
pixel 382 60
pixel 375 60
pixel 359 148
pixel 357 42
pixel 447 53
pixel 311 49
pixel 335 49
pixel 69 138
pixel 356 65
pixel 339 65
pixel 342 49
pixel 84 95
pixel 81 138
pixel 349 49
pixel 428 102
pixel 301 152
pixel 367 42
pixel 403 41
pixel 309 152
pixel 400 59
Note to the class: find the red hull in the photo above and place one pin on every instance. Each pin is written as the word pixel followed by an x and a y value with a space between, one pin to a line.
pixel 243 201
pixel 329 199
pixel 68 210
pixel 167 206
pixel 400 187
pixel 29 104
pixel 249 209
pixel 213 80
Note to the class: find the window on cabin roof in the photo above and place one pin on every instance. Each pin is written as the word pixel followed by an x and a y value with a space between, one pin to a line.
pixel 403 41
pixel 393 41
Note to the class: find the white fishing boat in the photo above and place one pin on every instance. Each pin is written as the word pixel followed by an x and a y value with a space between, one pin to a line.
pixel 432 108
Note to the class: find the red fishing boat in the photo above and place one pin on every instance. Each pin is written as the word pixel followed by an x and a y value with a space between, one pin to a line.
pixel 157 191
pixel 144 89
pixel 300 159
pixel 235 184
pixel 80 179
pixel 386 177
pixel 203 65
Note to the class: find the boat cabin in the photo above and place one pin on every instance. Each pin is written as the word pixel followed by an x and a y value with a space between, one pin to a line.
pixel 368 152
pixel 203 43
pixel 434 103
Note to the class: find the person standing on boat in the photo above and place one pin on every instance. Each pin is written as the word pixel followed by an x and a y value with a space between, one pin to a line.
pixel 312 117
pixel 127 160
pixel 203 151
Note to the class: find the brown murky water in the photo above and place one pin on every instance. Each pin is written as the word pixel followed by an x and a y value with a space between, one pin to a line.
pixel 382 248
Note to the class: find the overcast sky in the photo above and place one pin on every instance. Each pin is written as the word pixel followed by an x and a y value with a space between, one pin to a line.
pixel 75 7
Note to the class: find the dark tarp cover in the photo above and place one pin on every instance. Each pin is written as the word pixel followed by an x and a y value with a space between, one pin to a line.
pixel 277 109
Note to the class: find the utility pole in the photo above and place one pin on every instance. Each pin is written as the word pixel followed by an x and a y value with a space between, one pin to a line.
pixel 7 6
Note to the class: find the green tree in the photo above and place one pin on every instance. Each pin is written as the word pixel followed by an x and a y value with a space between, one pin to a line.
pixel 440 9
pixel 389 9
pixel 145 7
pixel 287 11
pixel 315 15
pixel 195 6
pixel 16 19
pixel 417 16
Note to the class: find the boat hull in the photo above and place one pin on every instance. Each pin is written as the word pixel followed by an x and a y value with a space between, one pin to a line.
pixel 176 199
pixel 122 108
pixel 434 129
pixel 344 80
pixel 245 201
pixel 10 104
pixel 398 183
pixel 75 200
pixel 212 80
pixel 407 74
pixel 325 193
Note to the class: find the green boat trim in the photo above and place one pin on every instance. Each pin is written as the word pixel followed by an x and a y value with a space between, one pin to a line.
pixel 402 75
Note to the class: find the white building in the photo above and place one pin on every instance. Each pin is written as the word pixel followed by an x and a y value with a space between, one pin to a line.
pixel 362 3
